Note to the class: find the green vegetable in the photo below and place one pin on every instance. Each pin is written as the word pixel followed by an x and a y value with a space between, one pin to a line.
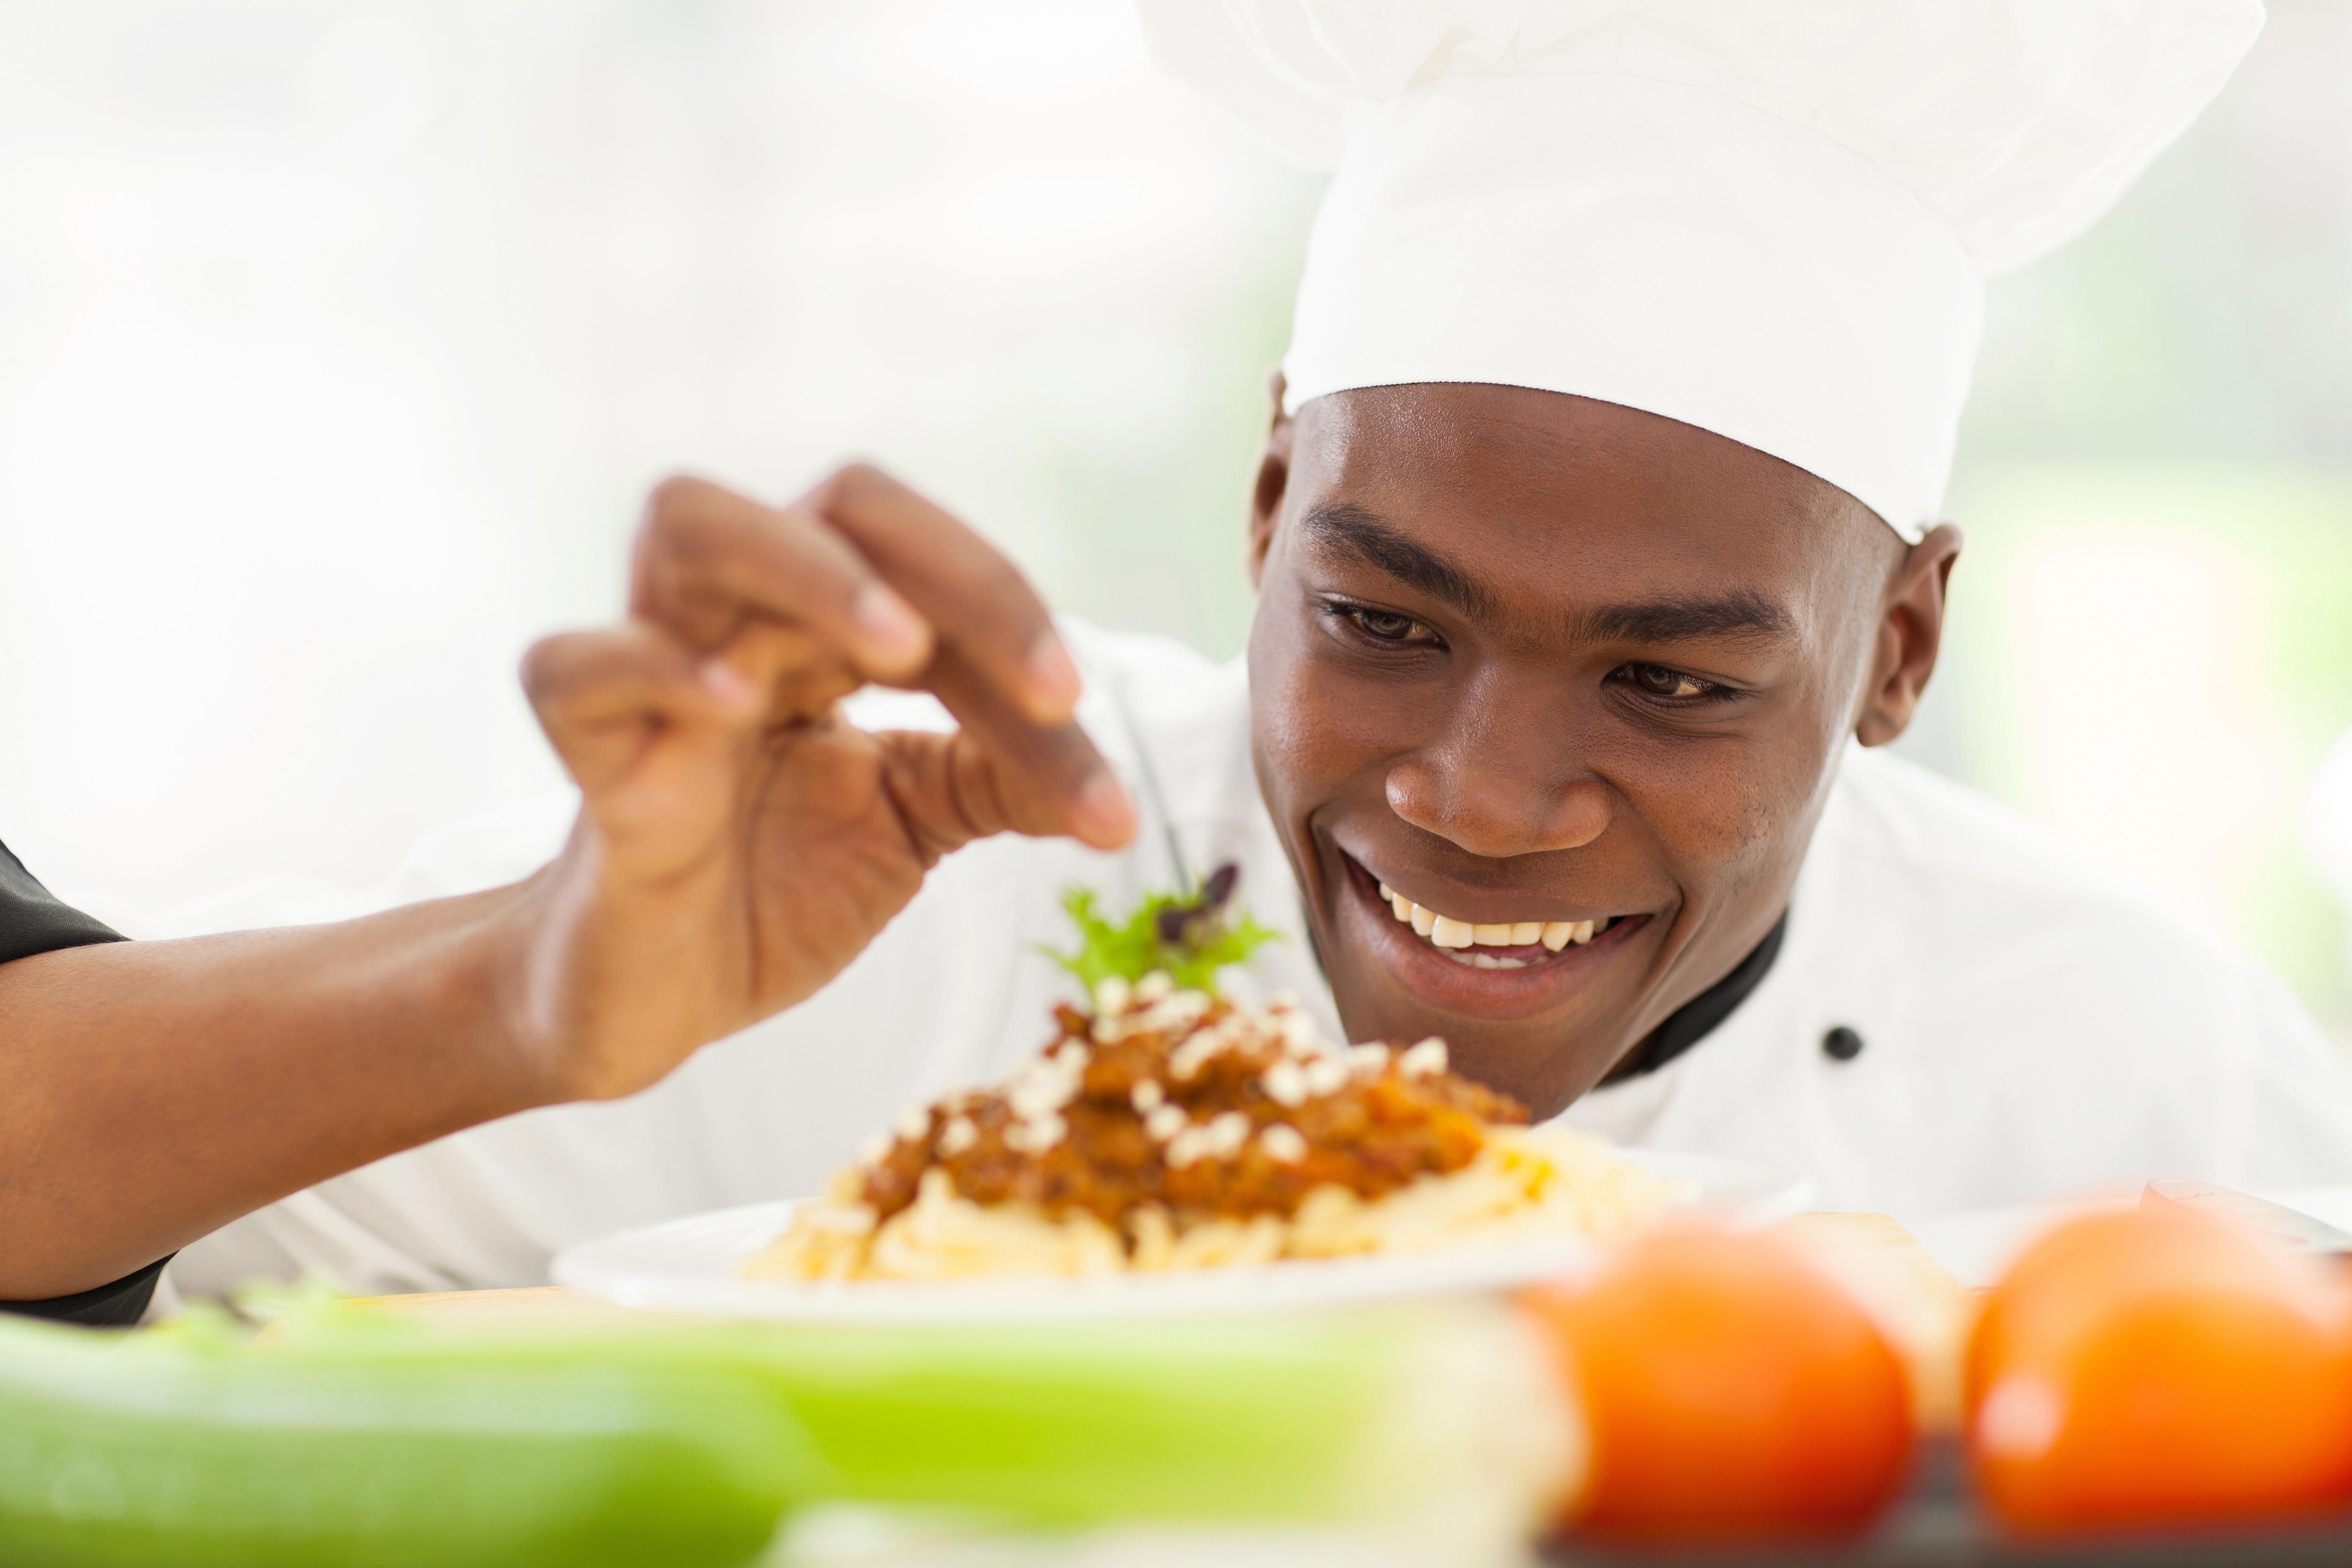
pixel 354 1437
pixel 1437 1419
pixel 1188 938
pixel 369 1448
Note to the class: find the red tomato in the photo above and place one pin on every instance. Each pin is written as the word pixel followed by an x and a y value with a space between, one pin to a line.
pixel 2157 1366
pixel 1731 1389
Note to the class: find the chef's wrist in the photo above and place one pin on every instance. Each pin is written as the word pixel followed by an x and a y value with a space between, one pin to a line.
pixel 574 1022
pixel 500 985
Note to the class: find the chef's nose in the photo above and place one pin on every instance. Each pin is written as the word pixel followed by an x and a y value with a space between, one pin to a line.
pixel 1501 782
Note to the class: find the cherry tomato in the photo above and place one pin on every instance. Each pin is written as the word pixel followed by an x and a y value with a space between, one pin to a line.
pixel 1731 1389
pixel 2156 1366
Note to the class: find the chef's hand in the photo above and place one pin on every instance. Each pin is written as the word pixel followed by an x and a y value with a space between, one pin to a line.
pixel 738 842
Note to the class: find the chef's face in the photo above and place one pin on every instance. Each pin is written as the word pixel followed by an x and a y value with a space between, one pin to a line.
pixel 1533 660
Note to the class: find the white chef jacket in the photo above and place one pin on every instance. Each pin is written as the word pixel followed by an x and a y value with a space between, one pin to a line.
pixel 2026 1026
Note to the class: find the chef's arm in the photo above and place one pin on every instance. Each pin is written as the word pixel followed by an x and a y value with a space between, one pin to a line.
pixel 151 1091
pixel 737 845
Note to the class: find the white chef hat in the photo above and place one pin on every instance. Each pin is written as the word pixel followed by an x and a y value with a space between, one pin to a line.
pixel 1769 218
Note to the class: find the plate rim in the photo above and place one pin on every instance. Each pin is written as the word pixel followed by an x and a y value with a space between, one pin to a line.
pixel 1747 1192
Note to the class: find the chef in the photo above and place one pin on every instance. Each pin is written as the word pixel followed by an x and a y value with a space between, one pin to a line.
pixel 1599 544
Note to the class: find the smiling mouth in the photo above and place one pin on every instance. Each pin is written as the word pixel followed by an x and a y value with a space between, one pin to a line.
pixel 1515 944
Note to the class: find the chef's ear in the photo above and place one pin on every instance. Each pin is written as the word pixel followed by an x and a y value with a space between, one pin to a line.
pixel 1910 631
pixel 1273 479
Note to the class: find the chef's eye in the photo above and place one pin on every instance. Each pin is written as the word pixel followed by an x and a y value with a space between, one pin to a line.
pixel 1670 685
pixel 1385 626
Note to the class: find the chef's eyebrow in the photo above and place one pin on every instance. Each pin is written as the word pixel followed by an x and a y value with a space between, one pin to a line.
pixel 1738 616
pixel 1741 615
pixel 1346 526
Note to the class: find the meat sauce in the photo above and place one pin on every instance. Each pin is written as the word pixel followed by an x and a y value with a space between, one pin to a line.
pixel 1168 1097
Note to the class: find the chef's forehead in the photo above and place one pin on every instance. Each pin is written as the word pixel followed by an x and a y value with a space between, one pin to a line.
pixel 1609 523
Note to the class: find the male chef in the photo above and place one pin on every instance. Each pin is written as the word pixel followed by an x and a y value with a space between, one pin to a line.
pixel 1598 538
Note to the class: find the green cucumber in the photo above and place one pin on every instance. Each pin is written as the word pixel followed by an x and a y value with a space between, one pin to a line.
pixel 1426 1416
pixel 156 1448
pixel 352 1437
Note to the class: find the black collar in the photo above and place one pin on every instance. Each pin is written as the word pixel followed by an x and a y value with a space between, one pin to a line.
pixel 1697 1018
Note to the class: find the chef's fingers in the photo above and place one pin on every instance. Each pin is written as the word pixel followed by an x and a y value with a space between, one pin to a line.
pixel 608 699
pixel 974 598
pixel 801 673
pixel 730 576
pixel 708 562
pixel 1049 778
pixel 950 789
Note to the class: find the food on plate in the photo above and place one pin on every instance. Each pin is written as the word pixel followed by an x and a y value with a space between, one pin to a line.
pixel 1165 1126
pixel 1729 1389
pixel 2154 1366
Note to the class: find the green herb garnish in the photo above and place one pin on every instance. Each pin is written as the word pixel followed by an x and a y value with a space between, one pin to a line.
pixel 1188 938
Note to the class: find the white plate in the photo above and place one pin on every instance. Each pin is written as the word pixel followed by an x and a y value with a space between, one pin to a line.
pixel 688 1265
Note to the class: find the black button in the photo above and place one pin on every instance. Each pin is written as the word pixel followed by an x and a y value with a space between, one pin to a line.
pixel 1842 1044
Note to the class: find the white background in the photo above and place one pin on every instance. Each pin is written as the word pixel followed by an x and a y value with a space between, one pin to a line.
pixel 339 339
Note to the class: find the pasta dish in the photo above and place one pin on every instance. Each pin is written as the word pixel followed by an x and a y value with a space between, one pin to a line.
pixel 1171 1128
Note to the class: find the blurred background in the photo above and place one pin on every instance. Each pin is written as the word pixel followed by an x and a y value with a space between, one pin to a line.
pixel 339 339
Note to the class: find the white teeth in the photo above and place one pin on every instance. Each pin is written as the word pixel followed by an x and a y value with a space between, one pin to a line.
pixel 1445 931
